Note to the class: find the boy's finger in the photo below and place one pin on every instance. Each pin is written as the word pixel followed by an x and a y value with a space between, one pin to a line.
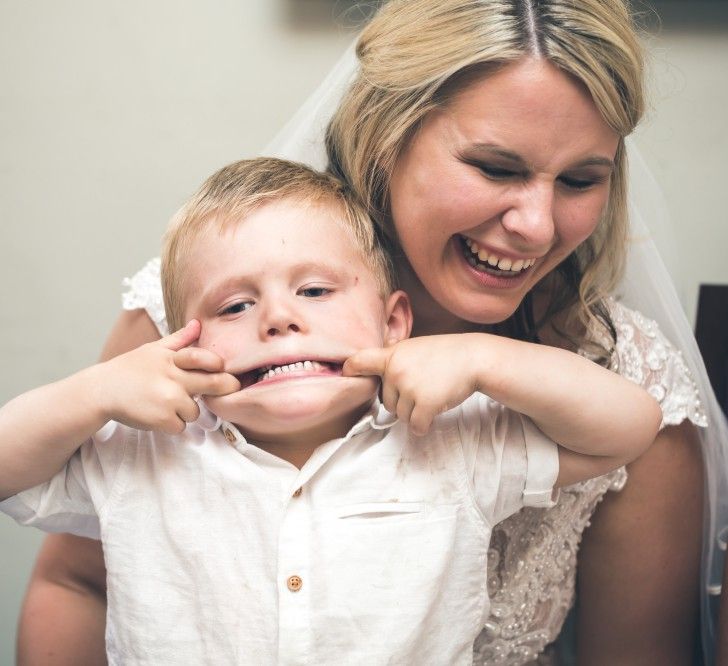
pixel 366 362
pixel 404 409
pixel 194 358
pixel 420 421
pixel 213 383
pixel 183 337
pixel 189 411
pixel 390 397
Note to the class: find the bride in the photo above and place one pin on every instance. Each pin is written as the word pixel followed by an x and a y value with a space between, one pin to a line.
pixel 504 125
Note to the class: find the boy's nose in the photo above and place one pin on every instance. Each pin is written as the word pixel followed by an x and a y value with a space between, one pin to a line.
pixel 280 319
pixel 275 330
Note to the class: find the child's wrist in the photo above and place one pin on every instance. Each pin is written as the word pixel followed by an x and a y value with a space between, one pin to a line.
pixel 92 390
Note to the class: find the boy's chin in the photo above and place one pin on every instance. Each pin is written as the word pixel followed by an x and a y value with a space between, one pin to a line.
pixel 289 407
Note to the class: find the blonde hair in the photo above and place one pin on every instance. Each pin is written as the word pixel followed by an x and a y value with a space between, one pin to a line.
pixel 234 192
pixel 415 55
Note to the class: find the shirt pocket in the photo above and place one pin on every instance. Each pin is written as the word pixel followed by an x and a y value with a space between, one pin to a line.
pixel 374 510
pixel 387 567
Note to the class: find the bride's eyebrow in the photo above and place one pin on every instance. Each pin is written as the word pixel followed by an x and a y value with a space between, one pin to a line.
pixel 596 161
pixel 494 150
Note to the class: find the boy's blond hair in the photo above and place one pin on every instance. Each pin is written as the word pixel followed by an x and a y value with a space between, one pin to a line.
pixel 234 192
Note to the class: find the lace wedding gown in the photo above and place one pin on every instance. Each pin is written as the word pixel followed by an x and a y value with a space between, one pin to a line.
pixel 532 557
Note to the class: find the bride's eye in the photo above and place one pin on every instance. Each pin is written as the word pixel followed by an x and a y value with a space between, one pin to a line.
pixel 579 184
pixel 314 292
pixel 237 308
pixel 498 173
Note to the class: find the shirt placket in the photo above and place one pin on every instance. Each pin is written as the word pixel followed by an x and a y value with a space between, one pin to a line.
pixel 294 581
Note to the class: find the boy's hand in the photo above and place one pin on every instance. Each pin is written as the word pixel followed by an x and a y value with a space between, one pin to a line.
pixel 153 386
pixel 421 377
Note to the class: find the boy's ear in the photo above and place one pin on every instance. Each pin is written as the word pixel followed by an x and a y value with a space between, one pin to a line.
pixel 399 318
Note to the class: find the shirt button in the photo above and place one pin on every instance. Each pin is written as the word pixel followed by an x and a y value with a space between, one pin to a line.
pixel 294 583
pixel 297 492
pixel 229 435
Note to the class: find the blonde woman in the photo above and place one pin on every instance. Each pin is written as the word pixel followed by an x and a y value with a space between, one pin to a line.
pixel 488 140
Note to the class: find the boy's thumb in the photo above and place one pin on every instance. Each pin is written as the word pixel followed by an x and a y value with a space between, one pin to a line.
pixel 183 337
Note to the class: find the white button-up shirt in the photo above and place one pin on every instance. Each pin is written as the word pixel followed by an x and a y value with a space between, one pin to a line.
pixel 373 553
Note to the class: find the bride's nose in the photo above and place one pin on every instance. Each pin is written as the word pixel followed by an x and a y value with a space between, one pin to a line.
pixel 530 215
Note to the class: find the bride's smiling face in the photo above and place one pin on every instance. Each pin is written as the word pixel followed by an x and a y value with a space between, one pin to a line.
pixel 498 187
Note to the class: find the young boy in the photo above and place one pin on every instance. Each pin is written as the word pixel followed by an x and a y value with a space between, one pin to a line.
pixel 286 517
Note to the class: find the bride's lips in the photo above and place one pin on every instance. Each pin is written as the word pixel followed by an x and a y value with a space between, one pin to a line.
pixel 487 274
pixel 284 370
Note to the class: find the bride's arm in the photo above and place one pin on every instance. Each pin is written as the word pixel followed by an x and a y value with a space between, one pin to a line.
pixel 63 618
pixel 639 563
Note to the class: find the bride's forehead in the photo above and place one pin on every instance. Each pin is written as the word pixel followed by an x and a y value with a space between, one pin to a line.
pixel 528 84
pixel 525 104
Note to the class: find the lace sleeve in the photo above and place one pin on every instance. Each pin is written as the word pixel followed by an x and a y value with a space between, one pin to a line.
pixel 645 356
pixel 144 291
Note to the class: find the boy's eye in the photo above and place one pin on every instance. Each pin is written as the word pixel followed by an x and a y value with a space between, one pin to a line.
pixel 237 308
pixel 314 292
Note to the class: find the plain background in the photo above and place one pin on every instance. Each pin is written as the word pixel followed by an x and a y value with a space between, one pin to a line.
pixel 112 113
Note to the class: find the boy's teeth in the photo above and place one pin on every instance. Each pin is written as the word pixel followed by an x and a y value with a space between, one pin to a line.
pixel 502 263
pixel 274 370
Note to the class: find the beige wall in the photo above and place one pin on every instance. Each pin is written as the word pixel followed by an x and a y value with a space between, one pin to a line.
pixel 112 112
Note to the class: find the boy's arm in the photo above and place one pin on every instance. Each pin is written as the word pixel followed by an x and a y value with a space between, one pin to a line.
pixel 148 388
pixel 601 419
pixel 62 618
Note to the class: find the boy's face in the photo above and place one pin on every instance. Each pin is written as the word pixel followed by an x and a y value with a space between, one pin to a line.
pixel 284 297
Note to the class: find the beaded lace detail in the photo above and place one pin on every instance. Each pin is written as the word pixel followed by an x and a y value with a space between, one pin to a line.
pixel 532 556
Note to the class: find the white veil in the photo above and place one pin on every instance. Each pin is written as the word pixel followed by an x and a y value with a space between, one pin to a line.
pixel 646 287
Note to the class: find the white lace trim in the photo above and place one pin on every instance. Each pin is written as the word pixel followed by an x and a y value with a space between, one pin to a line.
pixel 144 291
pixel 532 555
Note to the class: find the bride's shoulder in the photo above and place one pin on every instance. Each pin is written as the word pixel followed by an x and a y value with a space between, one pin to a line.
pixel 644 355
pixel 143 291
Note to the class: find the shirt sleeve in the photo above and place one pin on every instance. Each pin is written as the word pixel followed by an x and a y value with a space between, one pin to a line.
pixel 72 500
pixel 512 464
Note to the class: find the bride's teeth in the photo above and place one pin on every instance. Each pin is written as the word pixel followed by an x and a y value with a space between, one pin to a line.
pixel 483 255
pixel 518 265
pixel 493 260
pixel 307 365
pixel 505 264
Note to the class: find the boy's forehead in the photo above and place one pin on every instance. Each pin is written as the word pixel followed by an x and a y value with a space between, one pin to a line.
pixel 294 237
pixel 314 225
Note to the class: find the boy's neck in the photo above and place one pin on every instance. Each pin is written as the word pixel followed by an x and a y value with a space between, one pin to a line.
pixel 297 447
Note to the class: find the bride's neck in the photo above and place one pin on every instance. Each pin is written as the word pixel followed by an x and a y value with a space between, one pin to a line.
pixel 430 318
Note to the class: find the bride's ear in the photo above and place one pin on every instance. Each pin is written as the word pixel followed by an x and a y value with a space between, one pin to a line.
pixel 398 313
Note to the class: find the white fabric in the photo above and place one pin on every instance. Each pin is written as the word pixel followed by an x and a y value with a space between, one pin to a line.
pixel 389 535
pixel 647 286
